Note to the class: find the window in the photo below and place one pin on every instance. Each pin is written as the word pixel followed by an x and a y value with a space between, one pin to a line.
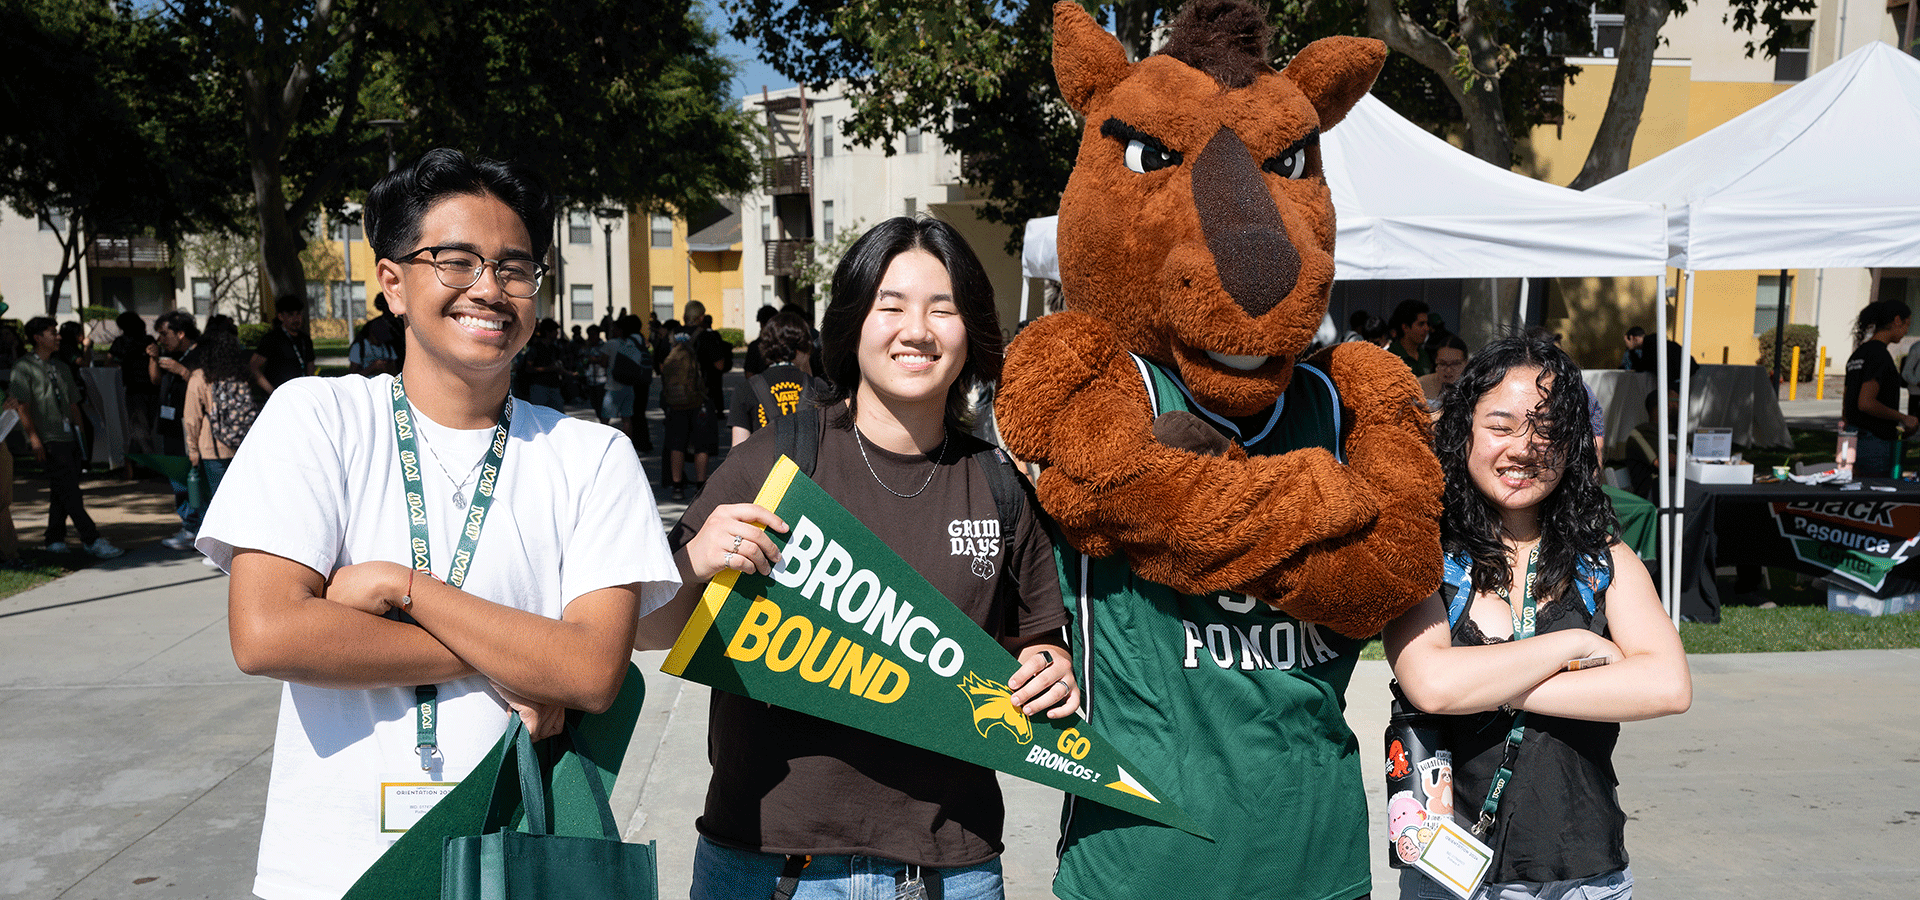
pixel 1904 288
pixel 910 207
pixel 826 220
pixel 766 228
pixel 1608 28
pixel 316 297
pixel 913 140
pixel 766 295
pixel 58 220
pixel 349 300
pixel 826 135
pixel 1766 302
pixel 663 302
pixel 1791 64
pixel 65 307
pixel 579 227
pixel 662 231
pixel 580 296
pixel 347 227
pixel 202 297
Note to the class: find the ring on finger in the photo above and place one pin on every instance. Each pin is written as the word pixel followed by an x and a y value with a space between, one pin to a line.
pixel 736 544
pixel 728 560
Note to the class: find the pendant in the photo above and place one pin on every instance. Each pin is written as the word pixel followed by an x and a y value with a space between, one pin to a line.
pixel 459 500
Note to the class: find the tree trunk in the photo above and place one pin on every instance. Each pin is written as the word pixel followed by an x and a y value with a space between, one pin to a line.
pixel 1612 149
pixel 1479 99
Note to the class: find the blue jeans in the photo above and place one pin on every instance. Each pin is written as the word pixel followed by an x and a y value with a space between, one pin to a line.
pixel 183 504
pixel 1414 885
pixel 1873 457
pixel 723 873
pixel 214 470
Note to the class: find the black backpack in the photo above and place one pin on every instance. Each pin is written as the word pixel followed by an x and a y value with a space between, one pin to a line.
pixel 626 370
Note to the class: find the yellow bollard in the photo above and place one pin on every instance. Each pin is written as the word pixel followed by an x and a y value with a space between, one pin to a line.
pixel 1793 385
pixel 1820 377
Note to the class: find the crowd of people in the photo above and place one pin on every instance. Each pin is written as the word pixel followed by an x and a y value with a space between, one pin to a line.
pixel 188 394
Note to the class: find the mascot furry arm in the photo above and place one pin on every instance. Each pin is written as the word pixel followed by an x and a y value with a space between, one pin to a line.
pixel 1197 232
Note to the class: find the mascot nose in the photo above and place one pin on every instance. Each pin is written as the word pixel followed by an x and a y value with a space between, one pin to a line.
pixel 1256 262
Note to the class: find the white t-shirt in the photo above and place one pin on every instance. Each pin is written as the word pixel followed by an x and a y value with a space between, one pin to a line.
pixel 318 482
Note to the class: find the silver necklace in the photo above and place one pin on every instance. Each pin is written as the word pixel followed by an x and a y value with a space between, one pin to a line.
pixel 459 485
pixel 860 441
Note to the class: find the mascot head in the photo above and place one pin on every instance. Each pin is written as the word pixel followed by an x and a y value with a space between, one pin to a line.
pixel 1196 221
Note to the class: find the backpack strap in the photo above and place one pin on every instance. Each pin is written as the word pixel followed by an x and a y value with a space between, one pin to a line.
pixel 1011 493
pixel 786 434
pixel 1456 585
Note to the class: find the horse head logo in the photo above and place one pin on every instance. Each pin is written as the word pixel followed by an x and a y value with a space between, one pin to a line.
pixel 993 706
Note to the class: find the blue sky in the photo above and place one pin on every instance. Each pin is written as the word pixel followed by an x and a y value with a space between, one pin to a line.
pixel 754 74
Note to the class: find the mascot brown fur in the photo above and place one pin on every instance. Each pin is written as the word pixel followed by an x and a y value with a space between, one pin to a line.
pixel 1197 231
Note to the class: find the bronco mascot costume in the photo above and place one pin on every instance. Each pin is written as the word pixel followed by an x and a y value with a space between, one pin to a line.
pixel 1239 519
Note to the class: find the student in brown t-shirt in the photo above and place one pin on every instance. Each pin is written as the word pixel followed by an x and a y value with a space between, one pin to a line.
pixel 911 326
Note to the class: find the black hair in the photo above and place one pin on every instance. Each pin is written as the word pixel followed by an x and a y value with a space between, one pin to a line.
pixel 224 358
pixel 396 205
pixel 856 283
pixel 290 303
pixel 1636 331
pixel 131 323
pixel 38 324
pixel 1576 520
pixel 1404 314
pixel 764 313
pixel 629 325
pixel 783 337
pixel 1451 341
pixel 180 321
pixel 222 324
pixel 1877 315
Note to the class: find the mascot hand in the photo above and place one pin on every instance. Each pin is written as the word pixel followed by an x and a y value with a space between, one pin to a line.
pixel 1389 450
pixel 1072 400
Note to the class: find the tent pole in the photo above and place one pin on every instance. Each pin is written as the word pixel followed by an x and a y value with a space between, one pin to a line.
pixel 1663 469
pixel 1686 415
pixel 1520 308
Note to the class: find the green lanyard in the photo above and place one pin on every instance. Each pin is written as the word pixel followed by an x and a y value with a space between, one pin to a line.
pixel 1522 629
pixel 426 695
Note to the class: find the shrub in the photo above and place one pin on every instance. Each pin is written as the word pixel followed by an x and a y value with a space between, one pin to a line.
pixel 252 332
pixel 734 336
pixel 91 314
pixel 1806 337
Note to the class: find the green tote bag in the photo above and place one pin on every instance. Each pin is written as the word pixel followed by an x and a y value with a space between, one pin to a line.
pixel 536 864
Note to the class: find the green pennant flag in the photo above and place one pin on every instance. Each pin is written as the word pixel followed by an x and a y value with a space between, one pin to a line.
pixel 846 631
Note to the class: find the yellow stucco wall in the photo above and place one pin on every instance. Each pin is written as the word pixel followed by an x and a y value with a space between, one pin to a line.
pixel 1592 313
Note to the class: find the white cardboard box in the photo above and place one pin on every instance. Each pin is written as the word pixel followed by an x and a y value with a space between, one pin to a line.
pixel 1719 473
pixel 1868 605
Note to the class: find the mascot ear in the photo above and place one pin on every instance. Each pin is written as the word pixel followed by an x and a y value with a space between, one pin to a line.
pixel 1086 59
pixel 1333 72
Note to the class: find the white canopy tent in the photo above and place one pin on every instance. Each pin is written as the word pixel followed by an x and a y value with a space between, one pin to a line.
pixel 1820 176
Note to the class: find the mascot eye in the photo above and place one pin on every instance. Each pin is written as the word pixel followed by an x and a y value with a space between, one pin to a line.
pixel 1291 163
pixel 1143 157
pixel 1142 152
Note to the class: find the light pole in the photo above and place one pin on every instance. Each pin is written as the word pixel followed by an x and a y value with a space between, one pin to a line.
pixel 389 125
pixel 608 215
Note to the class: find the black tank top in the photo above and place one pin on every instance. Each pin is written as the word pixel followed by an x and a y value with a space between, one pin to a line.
pixel 1560 817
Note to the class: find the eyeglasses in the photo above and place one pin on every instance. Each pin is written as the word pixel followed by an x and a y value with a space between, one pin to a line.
pixel 459 269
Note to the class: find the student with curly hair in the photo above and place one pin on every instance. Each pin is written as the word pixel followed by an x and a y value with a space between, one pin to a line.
pixel 1536 579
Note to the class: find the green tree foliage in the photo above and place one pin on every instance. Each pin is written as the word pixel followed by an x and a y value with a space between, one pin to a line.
pixel 105 134
pixel 613 101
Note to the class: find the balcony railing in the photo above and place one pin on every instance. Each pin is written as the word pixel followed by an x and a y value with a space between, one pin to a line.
pixel 786 256
pixel 129 253
pixel 788 175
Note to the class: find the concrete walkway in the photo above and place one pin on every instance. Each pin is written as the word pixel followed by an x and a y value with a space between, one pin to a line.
pixel 138 759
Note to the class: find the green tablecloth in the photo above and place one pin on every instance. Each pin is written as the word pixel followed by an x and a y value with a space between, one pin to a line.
pixel 1639 521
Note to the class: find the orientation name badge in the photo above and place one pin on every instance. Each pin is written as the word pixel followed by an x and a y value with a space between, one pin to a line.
pixel 847 631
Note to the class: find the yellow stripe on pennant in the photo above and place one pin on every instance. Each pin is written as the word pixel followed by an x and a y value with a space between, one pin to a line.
pixel 708 610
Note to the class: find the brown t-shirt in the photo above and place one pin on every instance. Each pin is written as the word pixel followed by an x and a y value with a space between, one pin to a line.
pixel 788 783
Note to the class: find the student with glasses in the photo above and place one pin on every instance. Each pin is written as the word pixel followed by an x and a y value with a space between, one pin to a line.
pixel 427 548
